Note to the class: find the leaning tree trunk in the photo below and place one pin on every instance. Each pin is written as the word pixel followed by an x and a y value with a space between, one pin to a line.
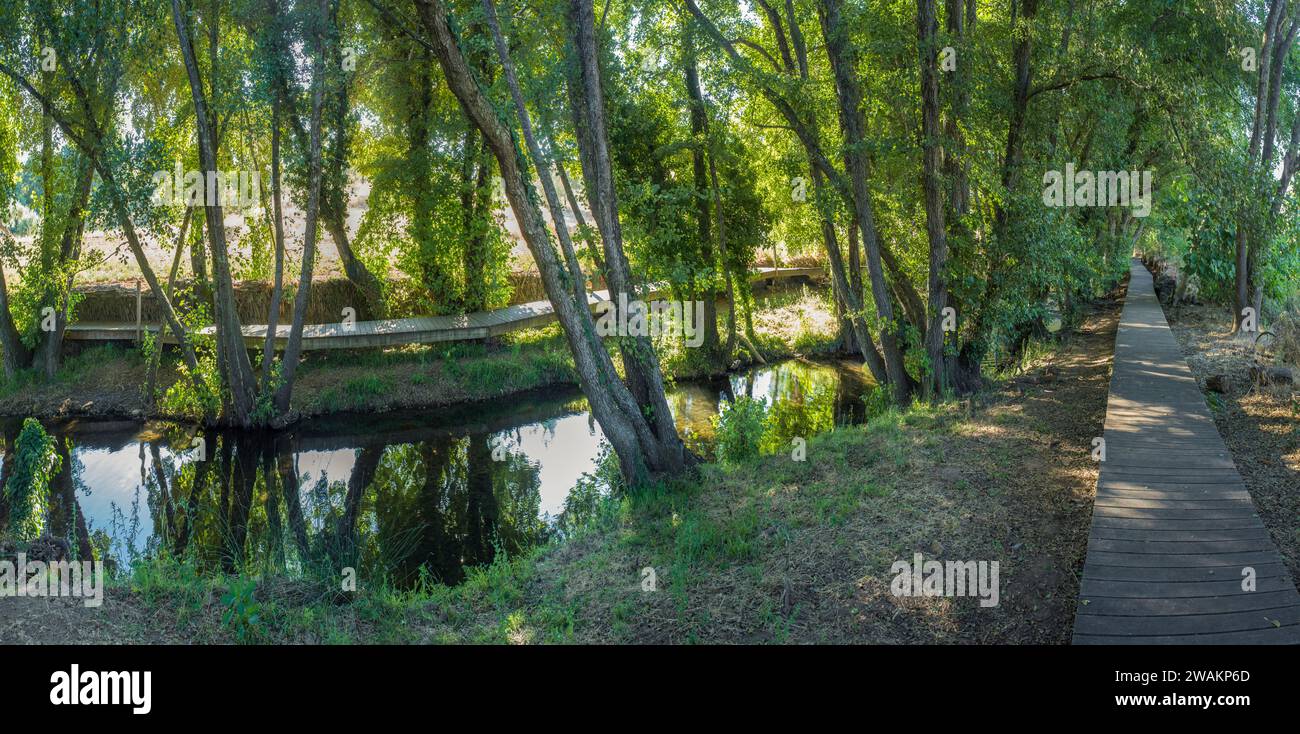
pixel 849 96
pixel 640 363
pixel 641 453
pixel 277 232
pixel 155 359
pixel 581 228
pixel 539 159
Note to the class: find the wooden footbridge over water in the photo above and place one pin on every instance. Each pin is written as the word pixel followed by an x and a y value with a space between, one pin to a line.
pixel 394 332
pixel 1175 539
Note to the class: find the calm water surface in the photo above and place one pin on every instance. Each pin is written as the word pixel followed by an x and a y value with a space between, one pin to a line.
pixel 443 489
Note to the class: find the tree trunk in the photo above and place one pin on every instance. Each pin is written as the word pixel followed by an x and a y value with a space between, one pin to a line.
pixel 437 285
pixel 241 386
pixel 1277 41
pixel 333 208
pixel 641 453
pixel 848 93
pixel 730 348
pixel 17 355
pixel 580 222
pixel 277 289
pixel 822 172
pixel 155 359
pixel 640 363
pixel 293 348
pixel 705 180
pixel 334 192
pixel 535 151
pixel 476 200
pixel 932 184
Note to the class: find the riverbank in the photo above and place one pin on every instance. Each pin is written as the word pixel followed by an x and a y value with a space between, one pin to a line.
pixel 769 550
pixel 107 382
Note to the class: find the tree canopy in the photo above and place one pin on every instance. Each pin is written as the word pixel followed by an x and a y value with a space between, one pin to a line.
pixel 966 171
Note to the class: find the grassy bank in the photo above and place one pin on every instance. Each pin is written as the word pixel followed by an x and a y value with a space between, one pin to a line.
pixel 766 550
pixel 107 381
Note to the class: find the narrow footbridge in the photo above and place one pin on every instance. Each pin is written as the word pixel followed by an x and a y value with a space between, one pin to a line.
pixel 393 332
pixel 1177 553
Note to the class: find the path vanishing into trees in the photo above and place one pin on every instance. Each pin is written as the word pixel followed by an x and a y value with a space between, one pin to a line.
pixel 414 330
pixel 1175 537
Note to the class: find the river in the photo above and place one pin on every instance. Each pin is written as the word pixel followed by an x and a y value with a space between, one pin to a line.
pixel 443 490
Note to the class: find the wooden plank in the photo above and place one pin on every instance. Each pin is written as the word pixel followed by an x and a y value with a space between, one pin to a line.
pixel 1171 548
pixel 1212 491
pixel 1104 588
pixel 1163 514
pixel 1190 477
pixel 1284 636
pixel 1178 606
pixel 1196 523
pixel 1183 560
pixel 1191 504
pixel 1103 627
pixel 1147 534
pixel 1212 573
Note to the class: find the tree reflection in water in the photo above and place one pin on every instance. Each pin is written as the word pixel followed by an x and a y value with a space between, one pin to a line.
pixel 397 497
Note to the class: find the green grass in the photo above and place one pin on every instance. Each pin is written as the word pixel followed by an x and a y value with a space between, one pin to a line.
pixel 730 546
pixel 74 369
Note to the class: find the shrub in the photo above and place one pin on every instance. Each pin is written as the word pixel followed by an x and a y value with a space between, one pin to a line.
pixel 27 492
pixel 740 426
pixel 877 400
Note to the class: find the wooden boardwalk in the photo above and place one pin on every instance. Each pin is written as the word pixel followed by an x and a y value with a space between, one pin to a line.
pixel 393 332
pixel 1174 531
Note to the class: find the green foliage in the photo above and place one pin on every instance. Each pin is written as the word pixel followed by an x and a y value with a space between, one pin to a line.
pixel 433 205
pixel 199 401
pixel 243 614
pixel 877 401
pixel 739 427
pixel 196 396
pixel 27 492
